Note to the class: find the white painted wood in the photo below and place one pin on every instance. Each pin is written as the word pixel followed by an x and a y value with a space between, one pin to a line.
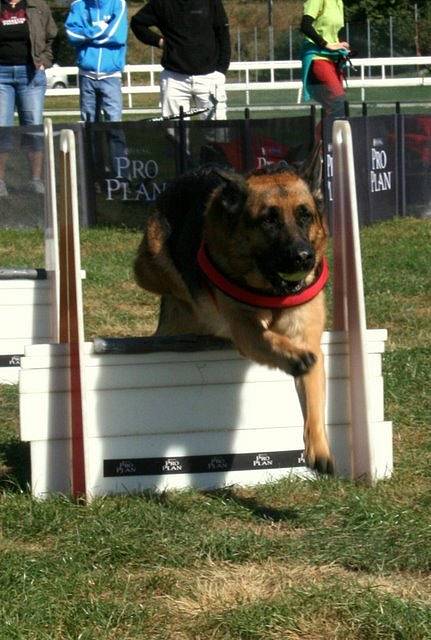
pixel 174 404
pixel 349 301
pixel 52 259
pixel 71 316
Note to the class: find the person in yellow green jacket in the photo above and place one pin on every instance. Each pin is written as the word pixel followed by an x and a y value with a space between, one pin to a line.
pixel 324 54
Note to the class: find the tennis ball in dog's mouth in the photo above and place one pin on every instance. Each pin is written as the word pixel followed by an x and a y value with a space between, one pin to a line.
pixel 292 277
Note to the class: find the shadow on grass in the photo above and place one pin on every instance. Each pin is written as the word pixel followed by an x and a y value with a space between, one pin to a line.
pixel 256 508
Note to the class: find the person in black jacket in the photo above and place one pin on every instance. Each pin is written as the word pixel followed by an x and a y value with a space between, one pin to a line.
pixel 196 53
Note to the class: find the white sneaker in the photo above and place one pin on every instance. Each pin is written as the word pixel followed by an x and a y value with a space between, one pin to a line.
pixel 3 189
pixel 36 185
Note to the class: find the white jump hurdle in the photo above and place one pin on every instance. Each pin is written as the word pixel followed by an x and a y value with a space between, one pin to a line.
pixel 29 297
pixel 123 422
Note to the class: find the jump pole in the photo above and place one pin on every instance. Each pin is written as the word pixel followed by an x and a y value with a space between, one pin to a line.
pixel 52 260
pixel 349 302
pixel 71 326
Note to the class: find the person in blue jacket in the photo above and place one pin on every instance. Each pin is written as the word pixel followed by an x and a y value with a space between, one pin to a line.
pixel 98 31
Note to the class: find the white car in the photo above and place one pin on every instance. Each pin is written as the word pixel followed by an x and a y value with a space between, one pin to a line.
pixel 56 78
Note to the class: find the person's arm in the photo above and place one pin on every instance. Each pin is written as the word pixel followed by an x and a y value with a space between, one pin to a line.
pixel 116 33
pixel 51 30
pixel 79 29
pixel 141 23
pixel 309 31
pixel 221 30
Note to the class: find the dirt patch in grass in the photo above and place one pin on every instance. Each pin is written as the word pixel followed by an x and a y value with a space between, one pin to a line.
pixel 223 587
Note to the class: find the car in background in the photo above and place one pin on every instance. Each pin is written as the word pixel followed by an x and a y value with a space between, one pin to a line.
pixel 56 78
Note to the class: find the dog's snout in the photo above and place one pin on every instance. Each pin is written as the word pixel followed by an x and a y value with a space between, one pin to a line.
pixel 304 255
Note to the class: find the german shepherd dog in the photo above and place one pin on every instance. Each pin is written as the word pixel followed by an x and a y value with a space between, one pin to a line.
pixel 243 258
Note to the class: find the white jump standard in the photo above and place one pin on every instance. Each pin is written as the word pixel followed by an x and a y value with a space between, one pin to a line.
pixel 24 316
pixel 174 419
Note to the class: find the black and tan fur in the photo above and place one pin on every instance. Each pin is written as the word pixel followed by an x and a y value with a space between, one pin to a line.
pixel 260 231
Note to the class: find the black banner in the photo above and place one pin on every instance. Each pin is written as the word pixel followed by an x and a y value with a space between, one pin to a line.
pixel 128 164
pixel 220 462
pixel 22 205
pixel 123 167
pixel 416 136
pixel 11 360
pixel 376 158
pixel 382 168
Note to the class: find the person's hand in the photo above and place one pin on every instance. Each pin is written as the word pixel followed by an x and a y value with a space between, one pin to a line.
pixel 101 23
pixel 335 46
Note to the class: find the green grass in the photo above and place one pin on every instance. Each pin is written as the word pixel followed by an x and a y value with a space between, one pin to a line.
pixel 317 559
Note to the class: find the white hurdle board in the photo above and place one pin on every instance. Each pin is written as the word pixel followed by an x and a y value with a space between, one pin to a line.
pixel 172 420
pixel 24 317
pixel 29 307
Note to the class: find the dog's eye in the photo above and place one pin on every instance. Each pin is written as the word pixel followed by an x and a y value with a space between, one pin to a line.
pixel 303 215
pixel 271 217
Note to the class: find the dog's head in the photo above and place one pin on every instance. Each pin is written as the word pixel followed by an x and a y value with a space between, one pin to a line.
pixel 266 230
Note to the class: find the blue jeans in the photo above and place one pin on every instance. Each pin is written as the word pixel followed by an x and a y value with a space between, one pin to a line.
pixel 101 100
pixel 22 87
pixel 99 97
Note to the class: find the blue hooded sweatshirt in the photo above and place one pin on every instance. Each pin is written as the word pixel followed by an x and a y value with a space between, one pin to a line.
pixel 98 31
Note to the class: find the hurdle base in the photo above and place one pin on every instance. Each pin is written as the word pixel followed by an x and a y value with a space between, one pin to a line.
pixel 178 420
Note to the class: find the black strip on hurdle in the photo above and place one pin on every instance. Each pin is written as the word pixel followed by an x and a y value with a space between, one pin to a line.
pixel 11 360
pixel 219 462
pixel 150 344
pixel 12 273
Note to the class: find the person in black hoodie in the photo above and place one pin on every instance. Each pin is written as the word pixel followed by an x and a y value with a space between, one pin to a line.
pixel 194 37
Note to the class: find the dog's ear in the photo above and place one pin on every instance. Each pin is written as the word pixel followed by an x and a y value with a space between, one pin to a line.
pixel 311 171
pixel 233 192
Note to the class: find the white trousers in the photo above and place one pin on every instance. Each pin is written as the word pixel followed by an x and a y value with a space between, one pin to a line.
pixel 193 92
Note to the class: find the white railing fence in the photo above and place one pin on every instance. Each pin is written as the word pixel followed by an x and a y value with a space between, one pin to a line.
pixel 413 71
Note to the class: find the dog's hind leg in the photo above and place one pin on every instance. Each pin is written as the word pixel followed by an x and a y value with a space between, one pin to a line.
pixel 311 392
pixel 153 266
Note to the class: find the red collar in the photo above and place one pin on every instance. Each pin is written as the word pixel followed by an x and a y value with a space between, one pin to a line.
pixel 255 299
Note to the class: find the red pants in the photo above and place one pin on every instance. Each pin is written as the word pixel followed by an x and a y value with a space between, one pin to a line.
pixel 326 80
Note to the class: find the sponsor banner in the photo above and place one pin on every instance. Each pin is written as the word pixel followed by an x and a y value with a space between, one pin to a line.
pixel 382 168
pixel 203 464
pixel 416 131
pixel 244 145
pixel 129 164
pixel 123 166
pixel 11 360
pixel 375 146
pixel 288 140
pixel 22 200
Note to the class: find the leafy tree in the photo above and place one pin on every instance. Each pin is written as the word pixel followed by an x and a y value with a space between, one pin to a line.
pixel 409 37
pixel 381 9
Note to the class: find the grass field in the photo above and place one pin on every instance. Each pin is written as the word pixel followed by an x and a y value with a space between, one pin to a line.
pixel 296 560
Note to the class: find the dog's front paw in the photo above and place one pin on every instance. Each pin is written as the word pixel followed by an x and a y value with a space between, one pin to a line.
pixel 319 459
pixel 301 362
